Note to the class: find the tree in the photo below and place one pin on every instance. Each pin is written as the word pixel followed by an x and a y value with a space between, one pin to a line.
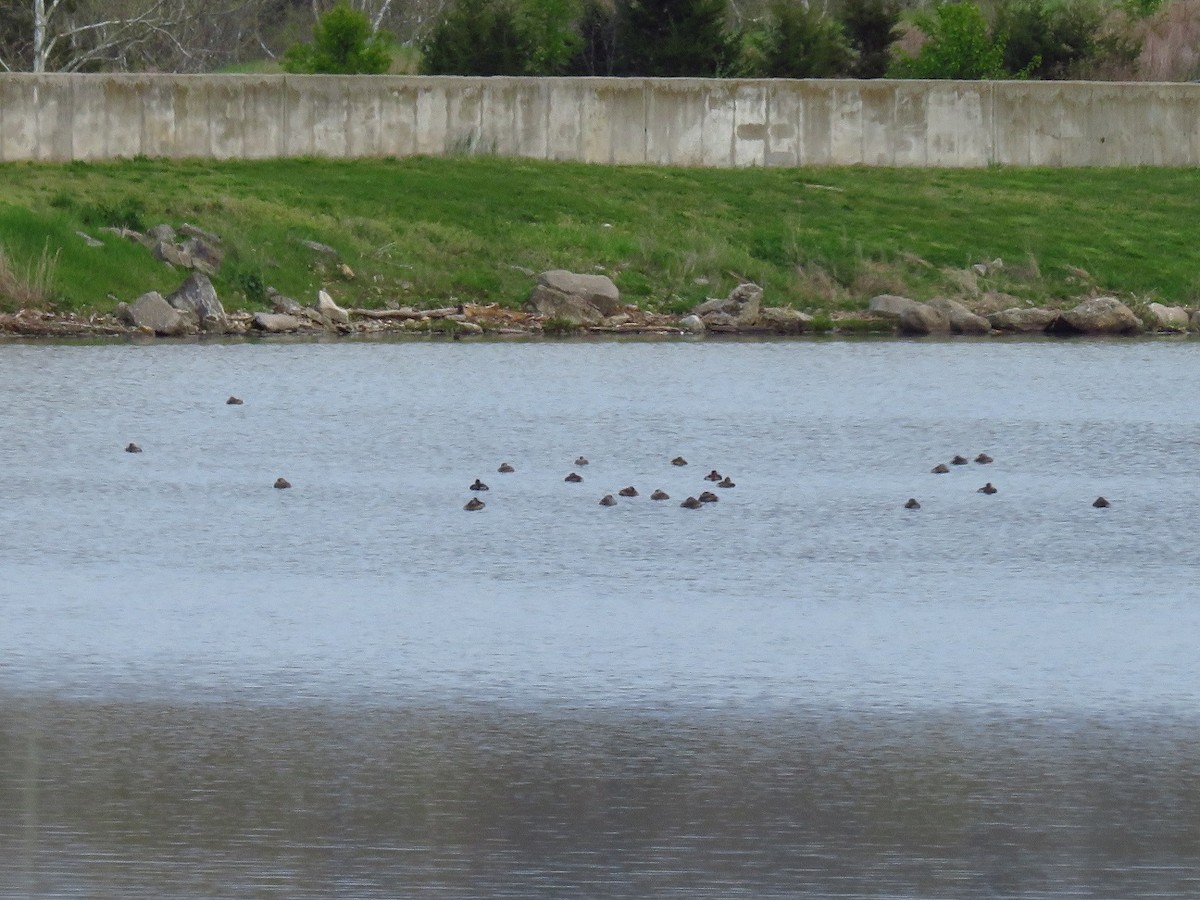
pixel 1045 41
pixel 342 44
pixel 666 38
pixel 957 45
pixel 802 42
pixel 871 27
pixel 477 37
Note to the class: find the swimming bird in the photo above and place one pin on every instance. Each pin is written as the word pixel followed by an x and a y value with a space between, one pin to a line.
pixel 574 478
pixel 505 467
pixel 233 401
pixel 660 495
pixel 133 448
pixel 940 469
pixel 608 500
pixel 714 475
pixel 988 488
pixel 630 491
pixel 679 461
pixel 912 503
pixel 581 461
pixel 474 504
pixel 709 497
pixel 958 461
pixel 1100 503
pixel 691 503
pixel 983 459
pixel 726 482
pixel 282 483
pixel 479 486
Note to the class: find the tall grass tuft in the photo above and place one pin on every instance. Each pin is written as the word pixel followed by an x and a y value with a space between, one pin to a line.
pixel 31 287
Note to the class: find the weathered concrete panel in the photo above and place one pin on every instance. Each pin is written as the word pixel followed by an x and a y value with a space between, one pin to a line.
pixel 158 119
pixel 720 125
pixel 626 101
pixel 363 129
pixel 499 132
pixel 227 120
pixel 298 126
pixel 908 123
pixel 398 119
pixel 675 123
pixel 123 104
pixel 595 115
pixel 532 117
pixel 54 118
pixel 192 131
pixel 1013 106
pixel 845 124
pixel 264 111
pixel 958 116
pixel 328 101
pixel 783 125
pixel 432 119
pixel 750 131
pixel 878 112
pixel 565 128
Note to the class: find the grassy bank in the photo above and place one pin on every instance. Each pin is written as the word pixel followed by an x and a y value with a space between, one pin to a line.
pixel 431 232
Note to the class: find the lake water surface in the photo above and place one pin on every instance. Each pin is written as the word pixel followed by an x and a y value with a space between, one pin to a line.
pixel 354 688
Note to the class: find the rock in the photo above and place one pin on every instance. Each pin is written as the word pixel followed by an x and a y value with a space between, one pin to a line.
pixel 282 484
pixel 890 306
pixel 741 308
pixel 330 310
pixel 162 234
pixel 172 254
pixel 1169 318
pixel 961 319
pixel 552 304
pixel 282 304
pixel 275 323
pixel 151 312
pixel 994 301
pixel 694 324
pixel 89 240
pixel 205 256
pixel 198 298
pixel 470 328
pixel 1100 315
pixel 784 319
pixel 318 247
pixel 197 232
pixel 921 318
pixel 598 290
pixel 1019 320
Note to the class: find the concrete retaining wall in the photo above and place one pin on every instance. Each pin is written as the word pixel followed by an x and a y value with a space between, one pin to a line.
pixel 686 122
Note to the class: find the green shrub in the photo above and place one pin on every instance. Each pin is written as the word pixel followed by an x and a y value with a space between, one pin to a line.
pixel 674 38
pixel 477 37
pixel 958 45
pixel 870 26
pixel 1048 41
pixel 802 42
pixel 342 45
pixel 125 213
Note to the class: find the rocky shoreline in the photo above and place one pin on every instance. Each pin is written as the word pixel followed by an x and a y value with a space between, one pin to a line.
pixel 563 303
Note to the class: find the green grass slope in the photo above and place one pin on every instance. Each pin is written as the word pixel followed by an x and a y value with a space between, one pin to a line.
pixel 430 232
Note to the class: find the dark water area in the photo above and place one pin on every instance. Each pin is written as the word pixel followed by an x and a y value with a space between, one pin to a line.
pixel 211 688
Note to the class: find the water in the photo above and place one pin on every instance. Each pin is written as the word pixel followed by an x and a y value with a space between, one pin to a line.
pixel 353 688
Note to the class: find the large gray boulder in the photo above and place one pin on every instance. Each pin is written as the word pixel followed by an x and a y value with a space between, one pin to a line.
pixel 741 309
pixel 197 298
pixel 151 312
pixel 961 319
pixel 330 310
pixel 1168 318
pixel 921 318
pixel 784 320
pixel 577 299
pixel 275 323
pixel 1100 316
pixel 890 306
pixel 1021 320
